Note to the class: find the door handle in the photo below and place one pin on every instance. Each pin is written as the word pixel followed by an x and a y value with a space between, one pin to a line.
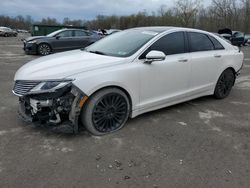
pixel 217 55
pixel 183 60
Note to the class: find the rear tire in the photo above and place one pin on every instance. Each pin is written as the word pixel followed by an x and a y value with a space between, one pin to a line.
pixel 224 84
pixel 106 111
pixel 44 49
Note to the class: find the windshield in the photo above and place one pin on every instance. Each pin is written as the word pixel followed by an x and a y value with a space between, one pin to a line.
pixel 238 34
pixel 53 33
pixel 122 44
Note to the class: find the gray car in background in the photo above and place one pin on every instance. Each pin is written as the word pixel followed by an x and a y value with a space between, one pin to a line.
pixel 7 32
pixel 61 40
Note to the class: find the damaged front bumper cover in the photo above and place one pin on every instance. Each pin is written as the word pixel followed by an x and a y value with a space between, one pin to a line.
pixel 59 110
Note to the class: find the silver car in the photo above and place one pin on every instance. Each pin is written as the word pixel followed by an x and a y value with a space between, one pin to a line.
pixel 7 32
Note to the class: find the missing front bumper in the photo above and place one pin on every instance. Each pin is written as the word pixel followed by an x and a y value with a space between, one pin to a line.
pixel 60 112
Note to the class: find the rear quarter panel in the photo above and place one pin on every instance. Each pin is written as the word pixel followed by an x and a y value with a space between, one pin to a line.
pixel 231 59
pixel 234 59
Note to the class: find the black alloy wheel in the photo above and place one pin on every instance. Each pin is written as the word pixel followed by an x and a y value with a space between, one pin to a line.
pixel 44 49
pixel 106 111
pixel 110 112
pixel 224 84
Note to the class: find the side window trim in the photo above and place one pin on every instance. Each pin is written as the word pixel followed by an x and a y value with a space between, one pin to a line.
pixel 186 47
pixel 187 44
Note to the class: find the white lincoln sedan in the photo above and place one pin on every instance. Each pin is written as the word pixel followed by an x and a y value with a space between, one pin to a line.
pixel 124 75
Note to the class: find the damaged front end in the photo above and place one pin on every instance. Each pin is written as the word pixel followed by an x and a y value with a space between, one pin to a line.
pixel 54 104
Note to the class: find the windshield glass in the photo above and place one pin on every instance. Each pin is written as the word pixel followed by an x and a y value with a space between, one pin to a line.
pixel 122 44
pixel 238 34
pixel 53 33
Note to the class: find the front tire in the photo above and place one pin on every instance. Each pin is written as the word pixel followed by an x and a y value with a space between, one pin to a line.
pixel 224 84
pixel 106 111
pixel 43 49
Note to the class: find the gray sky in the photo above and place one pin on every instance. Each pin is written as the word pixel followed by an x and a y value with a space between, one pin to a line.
pixel 78 9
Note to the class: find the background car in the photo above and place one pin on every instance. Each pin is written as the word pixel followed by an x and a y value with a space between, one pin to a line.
pixel 22 31
pixel 112 31
pixel 7 32
pixel 106 32
pixel 237 38
pixel 224 37
pixel 61 40
pixel 247 39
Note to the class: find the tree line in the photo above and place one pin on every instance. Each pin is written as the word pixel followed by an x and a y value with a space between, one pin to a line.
pixel 234 14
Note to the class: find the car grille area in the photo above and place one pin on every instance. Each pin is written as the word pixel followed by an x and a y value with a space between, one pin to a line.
pixel 23 87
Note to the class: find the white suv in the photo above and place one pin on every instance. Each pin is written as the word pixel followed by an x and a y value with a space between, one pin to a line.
pixel 123 75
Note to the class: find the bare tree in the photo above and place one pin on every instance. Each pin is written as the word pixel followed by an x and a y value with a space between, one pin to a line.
pixel 49 21
pixel 246 14
pixel 225 12
pixel 187 10
pixel 234 14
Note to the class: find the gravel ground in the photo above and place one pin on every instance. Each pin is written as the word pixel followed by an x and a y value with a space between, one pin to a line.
pixel 201 143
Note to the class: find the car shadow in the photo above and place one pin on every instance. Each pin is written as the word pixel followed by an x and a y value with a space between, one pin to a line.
pixel 173 108
pixel 46 130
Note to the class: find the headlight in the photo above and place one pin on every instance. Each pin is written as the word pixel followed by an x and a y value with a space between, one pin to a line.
pixel 49 86
pixel 32 42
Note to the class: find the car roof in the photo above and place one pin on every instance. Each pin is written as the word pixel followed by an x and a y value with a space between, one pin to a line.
pixel 161 29
pixel 225 34
pixel 158 29
pixel 65 29
pixel 4 27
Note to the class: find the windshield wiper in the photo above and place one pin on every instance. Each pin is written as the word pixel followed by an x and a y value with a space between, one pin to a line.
pixel 97 52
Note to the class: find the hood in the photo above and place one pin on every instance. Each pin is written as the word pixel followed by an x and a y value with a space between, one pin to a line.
pixel 34 38
pixel 64 65
pixel 225 31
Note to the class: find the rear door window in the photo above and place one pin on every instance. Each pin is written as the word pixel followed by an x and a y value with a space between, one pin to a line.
pixel 199 42
pixel 80 34
pixel 65 34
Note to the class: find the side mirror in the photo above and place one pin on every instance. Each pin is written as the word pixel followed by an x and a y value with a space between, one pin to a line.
pixel 155 56
pixel 58 37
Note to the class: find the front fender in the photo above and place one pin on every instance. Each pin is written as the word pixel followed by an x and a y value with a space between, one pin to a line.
pixel 96 88
pixel 121 76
